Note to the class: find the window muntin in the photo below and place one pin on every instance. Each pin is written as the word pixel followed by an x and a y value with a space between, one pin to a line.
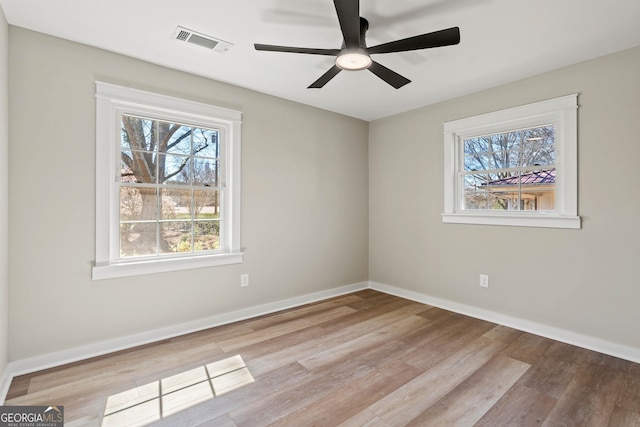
pixel 510 171
pixel 180 159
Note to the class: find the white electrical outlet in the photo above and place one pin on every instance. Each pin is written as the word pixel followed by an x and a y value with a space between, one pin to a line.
pixel 484 280
pixel 244 280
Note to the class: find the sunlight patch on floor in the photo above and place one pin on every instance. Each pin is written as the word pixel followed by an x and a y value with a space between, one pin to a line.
pixel 145 404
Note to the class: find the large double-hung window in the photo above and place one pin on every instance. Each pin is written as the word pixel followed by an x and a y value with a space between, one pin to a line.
pixel 168 189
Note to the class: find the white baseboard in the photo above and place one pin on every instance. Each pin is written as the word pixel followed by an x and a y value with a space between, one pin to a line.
pixel 591 343
pixel 5 382
pixel 45 361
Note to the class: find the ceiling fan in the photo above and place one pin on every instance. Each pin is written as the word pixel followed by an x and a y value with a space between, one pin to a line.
pixel 355 55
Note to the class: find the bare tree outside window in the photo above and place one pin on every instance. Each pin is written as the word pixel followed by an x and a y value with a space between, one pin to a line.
pixel 512 170
pixel 169 188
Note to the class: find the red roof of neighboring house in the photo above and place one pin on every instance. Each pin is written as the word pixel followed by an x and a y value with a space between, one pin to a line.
pixel 538 177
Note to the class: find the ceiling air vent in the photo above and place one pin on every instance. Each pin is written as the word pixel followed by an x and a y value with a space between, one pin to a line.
pixel 203 40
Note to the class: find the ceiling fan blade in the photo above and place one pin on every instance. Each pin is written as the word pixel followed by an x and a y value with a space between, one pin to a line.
pixel 312 51
pixel 349 16
pixel 447 37
pixel 324 79
pixel 389 76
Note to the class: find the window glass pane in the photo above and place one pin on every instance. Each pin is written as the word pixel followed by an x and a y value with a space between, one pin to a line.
pixel 174 138
pixel 501 201
pixel 138 239
pixel 174 169
pixel 475 197
pixel 137 166
pixel 475 200
pixel 126 167
pixel 206 172
pixel 207 235
pixel 538 190
pixel 476 162
pixel 206 143
pixel 474 182
pixel 176 237
pixel 474 146
pixel 206 204
pixel 501 142
pixel 539 155
pixel 138 204
pixel 138 133
pixel 176 204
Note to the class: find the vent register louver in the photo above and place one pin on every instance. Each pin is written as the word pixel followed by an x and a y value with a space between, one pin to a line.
pixel 203 40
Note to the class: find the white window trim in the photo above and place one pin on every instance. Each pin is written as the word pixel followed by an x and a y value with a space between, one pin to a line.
pixel 112 100
pixel 562 113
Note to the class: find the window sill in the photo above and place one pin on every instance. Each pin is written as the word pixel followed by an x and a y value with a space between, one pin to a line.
pixel 111 271
pixel 517 220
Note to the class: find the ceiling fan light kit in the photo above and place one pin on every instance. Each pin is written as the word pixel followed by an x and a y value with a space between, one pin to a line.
pixel 355 55
pixel 353 60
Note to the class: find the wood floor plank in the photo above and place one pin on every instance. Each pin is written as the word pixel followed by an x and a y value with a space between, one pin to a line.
pixel 436 313
pixel 377 300
pixel 271 332
pixel 416 396
pixel 364 418
pixel 446 338
pixel 369 340
pixel 294 351
pixel 503 333
pixel 387 309
pixel 550 376
pixel 528 348
pixel 521 406
pixel 267 321
pixel 589 399
pixel 566 352
pixel 315 386
pixel 624 418
pixel 88 421
pixel 468 402
pixel 19 387
pixel 351 399
pixel 629 393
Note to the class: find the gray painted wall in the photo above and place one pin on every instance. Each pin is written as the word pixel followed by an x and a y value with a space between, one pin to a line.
pixel 586 281
pixel 327 201
pixel 304 198
pixel 4 196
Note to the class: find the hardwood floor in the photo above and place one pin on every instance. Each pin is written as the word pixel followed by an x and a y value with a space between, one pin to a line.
pixel 364 359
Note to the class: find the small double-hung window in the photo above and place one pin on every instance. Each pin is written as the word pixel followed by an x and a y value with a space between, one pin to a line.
pixel 167 183
pixel 514 167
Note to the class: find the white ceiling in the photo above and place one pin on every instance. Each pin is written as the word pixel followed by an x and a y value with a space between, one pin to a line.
pixel 501 41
